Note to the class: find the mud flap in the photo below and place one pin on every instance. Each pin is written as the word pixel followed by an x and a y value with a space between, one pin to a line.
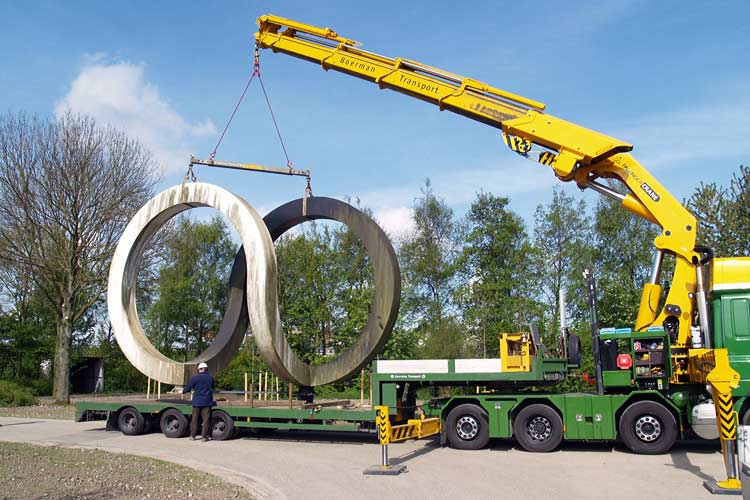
pixel 112 421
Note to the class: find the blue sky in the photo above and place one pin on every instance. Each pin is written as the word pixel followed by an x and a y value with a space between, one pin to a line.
pixel 671 77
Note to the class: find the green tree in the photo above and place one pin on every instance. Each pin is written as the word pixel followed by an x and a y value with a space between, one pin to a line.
pixel 724 214
pixel 355 291
pixel 428 258
pixel 191 288
pixel 326 289
pixel 68 188
pixel 27 339
pixel 562 238
pixel 624 252
pixel 496 292
pixel 307 291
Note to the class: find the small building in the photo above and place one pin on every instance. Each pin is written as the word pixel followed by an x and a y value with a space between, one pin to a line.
pixel 87 376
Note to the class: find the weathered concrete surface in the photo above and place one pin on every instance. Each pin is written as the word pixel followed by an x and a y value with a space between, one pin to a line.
pixel 123 275
pixel 327 467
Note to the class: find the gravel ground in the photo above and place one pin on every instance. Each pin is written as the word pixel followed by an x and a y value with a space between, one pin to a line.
pixel 76 473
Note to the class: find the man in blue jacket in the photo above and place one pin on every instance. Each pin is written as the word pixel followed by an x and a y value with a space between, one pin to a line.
pixel 203 400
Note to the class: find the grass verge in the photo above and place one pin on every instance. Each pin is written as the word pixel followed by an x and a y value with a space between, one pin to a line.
pixel 42 410
pixel 75 473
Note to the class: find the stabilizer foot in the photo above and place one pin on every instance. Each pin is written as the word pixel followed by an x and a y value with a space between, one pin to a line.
pixel 384 470
pixel 728 487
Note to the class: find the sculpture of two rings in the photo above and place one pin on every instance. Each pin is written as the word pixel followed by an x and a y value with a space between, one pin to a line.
pixel 253 294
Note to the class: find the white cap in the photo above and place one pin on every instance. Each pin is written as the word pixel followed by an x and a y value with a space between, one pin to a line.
pixel 202 366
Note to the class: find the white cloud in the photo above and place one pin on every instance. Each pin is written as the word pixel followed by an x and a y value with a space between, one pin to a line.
pixel 702 132
pixel 116 93
pixel 396 221
pixel 392 205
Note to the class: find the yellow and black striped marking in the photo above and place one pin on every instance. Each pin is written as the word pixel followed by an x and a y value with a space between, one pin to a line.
pixel 383 424
pixel 402 432
pixel 518 144
pixel 726 416
pixel 547 158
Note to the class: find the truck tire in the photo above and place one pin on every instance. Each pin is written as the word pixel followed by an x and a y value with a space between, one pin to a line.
pixel 174 424
pixel 648 428
pixel 223 426
pixel 538 428
pixel 130 421
pixel 467 427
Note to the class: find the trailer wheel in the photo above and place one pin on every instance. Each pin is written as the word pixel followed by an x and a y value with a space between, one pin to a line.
pixel 223 426
pixel 467 427
pixel 648 428
pixel 174 424
pixel 538 428
pixel 130 421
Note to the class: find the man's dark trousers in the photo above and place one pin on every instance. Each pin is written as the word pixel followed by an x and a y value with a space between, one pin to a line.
pixel 205 415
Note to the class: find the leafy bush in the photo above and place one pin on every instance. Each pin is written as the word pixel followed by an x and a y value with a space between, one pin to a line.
pixel 12 394
pixel 339 391
pixel 232 377
pixel 121 376
pixel 39 386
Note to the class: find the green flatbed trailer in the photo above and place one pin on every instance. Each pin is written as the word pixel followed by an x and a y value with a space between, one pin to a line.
pixel 637 402
pixel 229 415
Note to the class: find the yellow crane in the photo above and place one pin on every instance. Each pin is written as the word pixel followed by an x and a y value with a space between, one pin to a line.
pixel 574 154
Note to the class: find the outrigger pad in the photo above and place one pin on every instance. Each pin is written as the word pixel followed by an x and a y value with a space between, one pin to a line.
pixel 389 470
pixel 716 489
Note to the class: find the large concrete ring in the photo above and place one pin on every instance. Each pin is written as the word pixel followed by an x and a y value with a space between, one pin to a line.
pixel 261 280
pixel 275 348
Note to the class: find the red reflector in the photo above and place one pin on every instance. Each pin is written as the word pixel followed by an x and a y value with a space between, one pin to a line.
pixel 624 361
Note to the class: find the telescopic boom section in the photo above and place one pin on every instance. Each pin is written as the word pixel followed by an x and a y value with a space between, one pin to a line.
pixel 479 101
pixel 573 152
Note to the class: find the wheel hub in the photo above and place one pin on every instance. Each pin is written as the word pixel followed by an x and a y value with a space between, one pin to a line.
pixel 648 428
pixel 539 428
pixel 467 427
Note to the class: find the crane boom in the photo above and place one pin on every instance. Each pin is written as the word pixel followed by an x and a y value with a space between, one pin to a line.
pixel 573 152
pixel 465 96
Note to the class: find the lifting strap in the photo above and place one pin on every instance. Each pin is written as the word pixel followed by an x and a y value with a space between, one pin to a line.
pixel 256 72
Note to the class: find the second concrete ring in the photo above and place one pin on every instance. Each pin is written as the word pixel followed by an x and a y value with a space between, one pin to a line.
pixel 275 348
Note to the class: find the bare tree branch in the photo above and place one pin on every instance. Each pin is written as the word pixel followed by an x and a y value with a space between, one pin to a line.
pixel 67 190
